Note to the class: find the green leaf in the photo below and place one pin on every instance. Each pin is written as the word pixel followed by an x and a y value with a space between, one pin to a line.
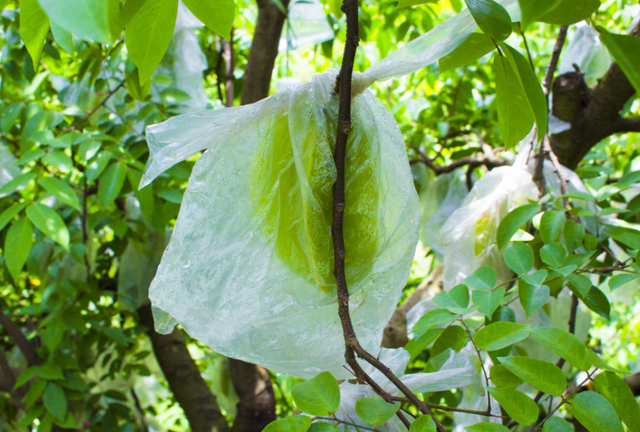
pixel 518 405
pixel 536 278
pixel 570 12
pixel 53 333
pixel 475 46
pixel 34 26
pixel 580 282
pixel 61 190
pixel 319 396
pixel 63 38
pixel 335 7
pixel 424 423
pixel 10 115
pixel 618 393
pixel 88 149
pixel 557 424
pixel 49 222
pixel 531 10
pixel 111 183
pixel 544 376
pixel 501 377
pixel 86 19
pixel 18 182
pixel 136 90
pixel 17 245
pixel 434 317
pixel 149 34
pixel 453 337
pixel 573 234
pixel 375 411
pixel 519 257
pixel 456 300
pixel 513 221
pixel 532 298
pixel 296 423
pixel 553 254
pixel 597 302
pixel 491 17
pixel 323 427
pixel 36 388
pixel 218 15
pixel 562 343
pixel 551 225
pixel 487 301
pixel 60 160
pixel 487 427
pixel 620 279
pixel 595 413
pixel 514 113
pixel 97 165
pixel 500 335
pixel 531 86
pixel 55 401
pixel 484 278
pixel 600 364
pixel 627 236
pixel 10 213
pixel 416 345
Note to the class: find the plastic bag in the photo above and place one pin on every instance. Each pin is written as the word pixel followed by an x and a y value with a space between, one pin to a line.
pixel 587 52
pixel 8 167
pixel 469 235
pixel 306 24
pixel 248 270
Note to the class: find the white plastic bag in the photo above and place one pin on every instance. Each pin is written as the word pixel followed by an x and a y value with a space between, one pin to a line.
pixel 306 24
pixel 248 270
pixel 469 235
pixel 587 52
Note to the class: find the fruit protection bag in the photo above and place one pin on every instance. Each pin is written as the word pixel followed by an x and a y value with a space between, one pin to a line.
pixel 249 268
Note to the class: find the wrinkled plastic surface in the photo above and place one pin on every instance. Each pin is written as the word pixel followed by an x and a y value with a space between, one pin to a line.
pixel 8 167
pixel 251 288
pixel 457 371
pixel 469 234
pixel 306 24
pixel 587 52
pixel 249 268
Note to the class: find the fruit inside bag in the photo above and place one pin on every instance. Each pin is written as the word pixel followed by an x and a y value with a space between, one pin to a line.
pixel 249 268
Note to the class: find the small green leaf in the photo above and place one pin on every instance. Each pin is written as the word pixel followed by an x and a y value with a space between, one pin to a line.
pixel 562 343
pixel 18 182
pixel 88 149
pixel 620 279
pixel 434 317
pixel 627 236
pixel 424 423
pixel 595 413
pixel 34 26
pixel 551 225
pixel 296 423
pixel 149 34
pixel 10 115
pixel 531 10
pixel 532 298
pixel 600 364
pixel 218 15
pixel 573 234
pixel 501 377
pixel 55 401
pixel 17 245
pixel 618 393
pixel 553 254
pixel 580 282
pixel 518 405
pixel 53 333
pixel 63 38
pixel 61 190
pixel 475 46
pixel 453 337
pixel 513 221
pixel 10 213
pixel 49 222
pixel 557 424
pixel 536 278
pixel 519 257
pixel 487 427
pixel 97 165
pixel 416 345
pixel 60 160
pixel 86 19
pixel 484 278
pixel 456 300
pixel 491 17
pixel 323 427
pixel 319 396
pixel 375 411
pixel 514 113
pixel 597 302
pixel 487 301
pixel 500 335
pixel 570 12
pixel 111 183
pixel 544 376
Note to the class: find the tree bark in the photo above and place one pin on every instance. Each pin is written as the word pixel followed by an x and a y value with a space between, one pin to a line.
pixel 182 374
pixel 593 114
pixel 257 406
pixel 264 49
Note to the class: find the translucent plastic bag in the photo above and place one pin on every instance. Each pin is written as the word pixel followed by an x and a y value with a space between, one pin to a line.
pixel 469 234
pixel 587 52
pixel 8 167
pixel 306 24
pixel 249 267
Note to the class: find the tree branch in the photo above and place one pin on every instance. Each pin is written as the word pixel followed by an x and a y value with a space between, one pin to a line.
pixel 12 329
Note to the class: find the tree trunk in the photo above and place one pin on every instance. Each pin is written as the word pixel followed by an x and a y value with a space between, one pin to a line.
pixel 182 374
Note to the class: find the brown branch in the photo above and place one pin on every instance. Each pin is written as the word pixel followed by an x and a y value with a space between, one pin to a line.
pixel 229 67
pixel 343 84
pixel 12 329
pixel 102 103
pixel 488 160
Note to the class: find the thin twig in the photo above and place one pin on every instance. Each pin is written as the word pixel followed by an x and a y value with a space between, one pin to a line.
pixel 343 86
pixel 229 67
pixel 12 329
pixel 337 420
pixel 81 121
